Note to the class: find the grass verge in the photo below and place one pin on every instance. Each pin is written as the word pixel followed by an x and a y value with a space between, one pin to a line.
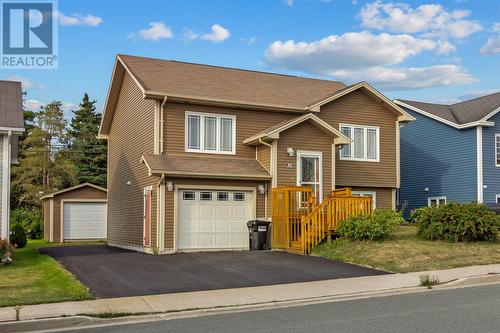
pixel 406 253
pixel 35 278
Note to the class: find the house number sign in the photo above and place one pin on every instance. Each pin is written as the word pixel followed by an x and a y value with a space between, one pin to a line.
pixel 289 165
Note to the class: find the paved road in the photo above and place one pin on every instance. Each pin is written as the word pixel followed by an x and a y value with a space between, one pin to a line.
pixel 113 272
pixel 473 309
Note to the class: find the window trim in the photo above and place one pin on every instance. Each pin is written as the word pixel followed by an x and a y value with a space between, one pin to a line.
pixel 372 193
pixel 437 198
pixel 365 143
pixel 186 192
pixel 202 149
pixel 497 135
pixel 497 196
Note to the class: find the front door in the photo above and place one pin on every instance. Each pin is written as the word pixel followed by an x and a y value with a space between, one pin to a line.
pixel 310 171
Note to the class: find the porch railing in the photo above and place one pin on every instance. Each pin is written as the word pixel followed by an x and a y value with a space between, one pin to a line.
pixel 299 223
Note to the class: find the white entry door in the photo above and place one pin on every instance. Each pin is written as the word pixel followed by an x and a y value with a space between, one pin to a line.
pixel 310 171
pixel 84 220
pixel 214 219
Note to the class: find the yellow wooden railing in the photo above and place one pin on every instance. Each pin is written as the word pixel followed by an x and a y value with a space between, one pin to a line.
pixel 327 216
pixel 299 223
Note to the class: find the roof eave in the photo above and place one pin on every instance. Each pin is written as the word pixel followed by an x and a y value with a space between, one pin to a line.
pixel 209 175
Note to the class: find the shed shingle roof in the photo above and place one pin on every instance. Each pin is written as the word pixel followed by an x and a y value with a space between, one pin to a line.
pixel 11 104
pixel 202 166
pixel 175 78
pixel 461 113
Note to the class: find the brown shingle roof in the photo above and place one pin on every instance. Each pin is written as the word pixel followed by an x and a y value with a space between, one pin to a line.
pixel 221 83
pixel 463 112
pixel 11 104
pixel 202 166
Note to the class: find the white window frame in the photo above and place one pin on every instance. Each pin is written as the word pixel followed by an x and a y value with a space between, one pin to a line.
pixel 497 197
pixel 497 135
pixel 429 199
pixel 201 133
pixel 365 143
pixel 314 154
pixel 373 195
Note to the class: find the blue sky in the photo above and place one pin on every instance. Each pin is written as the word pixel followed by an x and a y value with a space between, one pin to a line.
pixel 439 51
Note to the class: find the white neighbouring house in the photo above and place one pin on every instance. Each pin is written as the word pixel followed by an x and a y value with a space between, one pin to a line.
pixel 11 126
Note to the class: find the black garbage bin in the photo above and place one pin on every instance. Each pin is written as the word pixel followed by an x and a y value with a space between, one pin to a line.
pixel 259 235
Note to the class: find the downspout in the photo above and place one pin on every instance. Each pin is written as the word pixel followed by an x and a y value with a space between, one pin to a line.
pixel 160 230
pixel 162 107
pixel 266 196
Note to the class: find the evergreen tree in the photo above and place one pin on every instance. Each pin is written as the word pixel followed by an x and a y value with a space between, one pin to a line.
pixel 89 152
pixel 44 165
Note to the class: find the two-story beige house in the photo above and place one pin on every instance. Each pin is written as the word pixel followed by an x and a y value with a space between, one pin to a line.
pixel 194 150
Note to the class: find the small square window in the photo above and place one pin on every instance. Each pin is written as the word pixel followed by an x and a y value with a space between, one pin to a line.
pixel 188 195
pixel 238 196
pixel 222 196
pixel 206 196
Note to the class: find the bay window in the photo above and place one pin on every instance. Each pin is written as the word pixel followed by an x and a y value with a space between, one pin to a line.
pixel 210 133
pixel 365 144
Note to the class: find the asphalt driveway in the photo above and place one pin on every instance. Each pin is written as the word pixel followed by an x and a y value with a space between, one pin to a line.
pixel 113 272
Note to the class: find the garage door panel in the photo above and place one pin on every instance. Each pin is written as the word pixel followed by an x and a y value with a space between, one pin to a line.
pixel 84 220
pixel 214 224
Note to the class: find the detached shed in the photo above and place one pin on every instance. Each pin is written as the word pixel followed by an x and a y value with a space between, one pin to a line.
pixel 75 213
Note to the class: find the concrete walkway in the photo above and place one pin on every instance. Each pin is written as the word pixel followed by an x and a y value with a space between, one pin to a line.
pixel 349 287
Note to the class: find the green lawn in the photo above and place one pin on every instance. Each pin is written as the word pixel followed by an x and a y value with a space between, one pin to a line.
pixel 406 253
pixel 36 278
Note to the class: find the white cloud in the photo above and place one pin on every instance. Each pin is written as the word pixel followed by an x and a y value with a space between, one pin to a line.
pixel 218 34
pixel 477 93
pixel 496 27
pixel 353 50
pixel 33 104
pixel 445 47
pixel 156 31
pixel 25 82
pixel 492 46
pixel 288 2
pixel 431 19
pixel 190 34
pixel 78 19
pixel 391 78
pixel 249 40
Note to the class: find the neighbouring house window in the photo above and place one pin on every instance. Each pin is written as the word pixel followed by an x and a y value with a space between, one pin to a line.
pixel 238 196
pixel 206 196
pixel 188 195
pixel 436 201
pixel 371 194
pixel 222 196
pixel 498 198
pixel 365 145
pixel 497 150
pixel 210 133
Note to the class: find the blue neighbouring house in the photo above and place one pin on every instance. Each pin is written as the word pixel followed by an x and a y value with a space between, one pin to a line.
pixel 450 153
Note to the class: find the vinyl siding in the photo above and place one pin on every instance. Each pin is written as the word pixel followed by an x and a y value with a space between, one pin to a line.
pixel 1 183
pixel 358 108
pixel 46 219
pixel 130 136
pixel 264 156
pixel 307 137
pixel 439 157
pixel 169 200
pixel 248 123
pixel 491 173
pixel 80 193
pixel 383 196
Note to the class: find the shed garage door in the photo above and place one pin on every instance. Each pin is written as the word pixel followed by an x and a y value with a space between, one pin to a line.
pixel 214 219
pixel 84 220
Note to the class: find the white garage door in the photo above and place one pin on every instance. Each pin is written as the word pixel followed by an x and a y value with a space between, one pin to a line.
pixel 214 219
pixel 84 220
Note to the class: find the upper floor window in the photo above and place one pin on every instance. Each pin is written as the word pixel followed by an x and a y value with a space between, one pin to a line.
pixel 497 150
pixel 210 133
pixel 365 145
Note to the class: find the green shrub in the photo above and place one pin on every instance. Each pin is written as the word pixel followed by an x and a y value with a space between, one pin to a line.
pixel 30 219
pixel 457 222
pixel 18 236
pixel 381 224
pixel 428 281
